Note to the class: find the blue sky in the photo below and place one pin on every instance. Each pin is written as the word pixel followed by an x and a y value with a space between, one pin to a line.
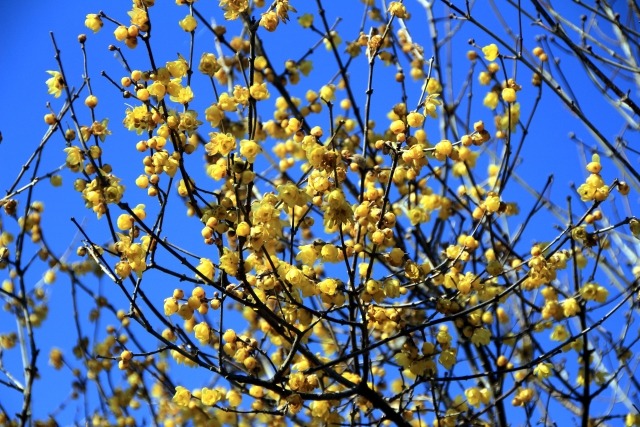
pixel 28 52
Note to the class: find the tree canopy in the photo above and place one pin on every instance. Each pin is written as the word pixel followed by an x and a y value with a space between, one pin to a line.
pixel 362 213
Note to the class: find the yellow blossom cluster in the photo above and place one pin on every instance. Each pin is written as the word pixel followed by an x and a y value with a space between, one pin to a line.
pixel 337 210
pixel 523 396
pixel 336 244
pixel 139 119
pixel 266 223
pixel 594 187
pixel 416 362
pixel 100 191
pixel 385 321
pixel 233 8
pixel 543 270
pixel 132 255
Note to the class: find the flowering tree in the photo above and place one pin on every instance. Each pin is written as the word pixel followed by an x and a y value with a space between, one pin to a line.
pixel 349 236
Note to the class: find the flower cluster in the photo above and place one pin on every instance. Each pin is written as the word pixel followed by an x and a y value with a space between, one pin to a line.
pixel 594 187
pixel 99 192
pixel 348 247
pixel 543 270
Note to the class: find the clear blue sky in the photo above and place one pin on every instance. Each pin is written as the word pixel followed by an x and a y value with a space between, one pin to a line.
pixel 27 53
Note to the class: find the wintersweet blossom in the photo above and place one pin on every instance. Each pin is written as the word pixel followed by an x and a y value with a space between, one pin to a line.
pixel 269 21
pixel 206 268
pixel 93 22
pixel 182 396
pixel 55 83
pixel 397 9
pixel 209 397
pixel 208 64
pixel 188 24
pixel 249 149
pixel 233 8
pixel 490 52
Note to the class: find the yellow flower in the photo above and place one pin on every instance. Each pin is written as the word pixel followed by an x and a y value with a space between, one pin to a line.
pixel 509 118
pixel 415 119
pixel 121 33
pixel 282 9
pixel 337 210
pixel 295 276
pixel 220 143
pixel 328 286
pixel 473 396
pixel 523 397
pixel 184 95
pixel 543 370
pixel 328 92
pixel 269 21
pixel 218 170
pixel 292 196
pixel 509 95
pixel 484 78
pixel 202 332
pixel 55 84
pixel 259 91
pixel 226 102
pixel 329 253
pixel 234 397
pixel 241 95
pixel 448 358
pixel 632 420
pixel 139 119
pixel 188 24
pixel 208 64
pixel 305 67
pixel 320 409
pixel 93 22
pixel 189 121
pixel 178 68
pixel 397 126
pixel 430 105
pixel 55 358
pixel 139 18
pixel 398 9
pixel 307 255
pixel 589 291
pixel 443 148
pixel 233 8
pixel 490 52
pixel 229 262
pixel 170 306
pixel 492 203
pixel 305 20
pixel 75 158
pixel 434 87
pixel 100 130
pixel 213 115
pixel 559 333
pixel 491 100
pixel 601 294
pixel 209 397
pixel 249 149
pixel 157 89
pixel 481 336
pixel 570 307
pixel 182 396
pixel 125 221
pixel 170 166
pixel 206 268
